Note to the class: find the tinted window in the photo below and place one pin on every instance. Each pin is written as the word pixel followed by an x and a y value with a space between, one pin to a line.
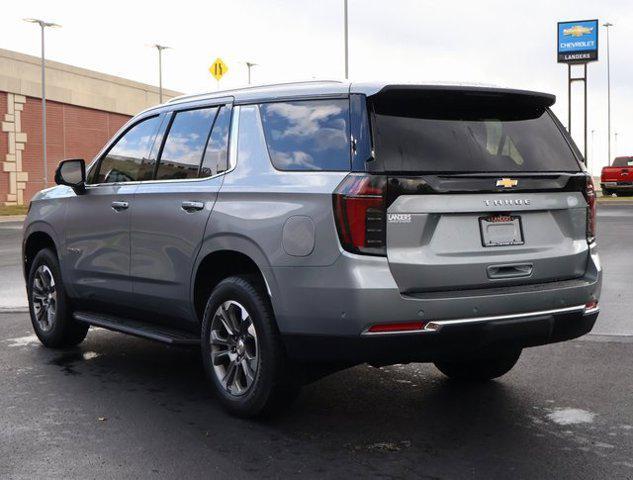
pixel 130 156
pixel 216 154
pixel 185 143
pixel 438 134
pixel 623 162
pixel 308 135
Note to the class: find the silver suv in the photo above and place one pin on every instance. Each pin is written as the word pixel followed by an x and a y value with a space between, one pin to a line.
pixel 295 230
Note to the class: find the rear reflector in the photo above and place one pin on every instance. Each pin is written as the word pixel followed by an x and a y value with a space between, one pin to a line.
pixel 396 327
pixel 592 305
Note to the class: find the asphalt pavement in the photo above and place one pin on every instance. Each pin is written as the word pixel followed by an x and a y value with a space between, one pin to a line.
pixel 121 407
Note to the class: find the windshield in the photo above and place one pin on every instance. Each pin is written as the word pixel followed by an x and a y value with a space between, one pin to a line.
pixel 441 133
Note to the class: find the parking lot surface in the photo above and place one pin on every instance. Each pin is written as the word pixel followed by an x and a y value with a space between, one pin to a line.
pixel 121 407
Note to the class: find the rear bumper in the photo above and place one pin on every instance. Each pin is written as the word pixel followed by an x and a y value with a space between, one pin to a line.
pixel 449 339
pixel 323 312
pixel 628 186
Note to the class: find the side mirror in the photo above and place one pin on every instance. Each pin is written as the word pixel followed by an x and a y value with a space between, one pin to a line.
pixel 72 173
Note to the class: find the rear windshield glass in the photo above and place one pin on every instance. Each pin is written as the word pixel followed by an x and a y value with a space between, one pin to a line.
pixel 467 134
pixel 623 162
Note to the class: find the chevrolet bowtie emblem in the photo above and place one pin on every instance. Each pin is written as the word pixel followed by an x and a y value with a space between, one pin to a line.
pixel 507 182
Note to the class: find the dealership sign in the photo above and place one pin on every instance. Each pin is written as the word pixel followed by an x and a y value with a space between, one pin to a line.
pixel 577 41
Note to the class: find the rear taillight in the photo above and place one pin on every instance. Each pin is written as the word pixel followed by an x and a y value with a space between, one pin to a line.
pixel 590 197
pixel 360 213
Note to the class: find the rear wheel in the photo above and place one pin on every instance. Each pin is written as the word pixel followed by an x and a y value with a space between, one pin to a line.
pixel 481 368
pixel 49 305
pixel 606 193
pixel 242 351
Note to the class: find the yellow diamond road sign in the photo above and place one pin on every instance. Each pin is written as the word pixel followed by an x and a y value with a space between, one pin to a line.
pixel 218 69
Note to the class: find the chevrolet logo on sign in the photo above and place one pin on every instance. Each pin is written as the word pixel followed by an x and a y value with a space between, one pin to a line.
pixel 507 182
pixel 577 31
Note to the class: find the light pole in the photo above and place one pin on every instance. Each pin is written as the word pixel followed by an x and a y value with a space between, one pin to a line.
pixel 608 26
pixel 249 65
pixel 43 25
pixel 592 144
pixel 160 49
pixel 346 40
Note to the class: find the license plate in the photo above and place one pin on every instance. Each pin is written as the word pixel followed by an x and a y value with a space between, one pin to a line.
pixel 501 231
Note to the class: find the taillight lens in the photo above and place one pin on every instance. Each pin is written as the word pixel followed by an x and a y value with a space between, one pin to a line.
pixel 360 213
pixel 590 197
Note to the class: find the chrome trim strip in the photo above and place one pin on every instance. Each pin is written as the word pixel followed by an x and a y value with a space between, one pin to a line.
pixel 436 325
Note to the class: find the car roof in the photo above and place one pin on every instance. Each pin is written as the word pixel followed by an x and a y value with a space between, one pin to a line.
pixel 335 88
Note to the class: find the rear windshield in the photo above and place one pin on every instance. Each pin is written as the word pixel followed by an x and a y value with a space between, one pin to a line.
pixel 623 162
pixel 441 133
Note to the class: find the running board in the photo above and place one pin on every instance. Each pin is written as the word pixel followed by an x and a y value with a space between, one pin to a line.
pixel 159 333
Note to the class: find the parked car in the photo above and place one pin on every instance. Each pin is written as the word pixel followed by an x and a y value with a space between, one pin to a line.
pixel 618 178
pixel 295 230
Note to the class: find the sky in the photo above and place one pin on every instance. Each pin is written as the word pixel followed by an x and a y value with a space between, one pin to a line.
pixel 508 43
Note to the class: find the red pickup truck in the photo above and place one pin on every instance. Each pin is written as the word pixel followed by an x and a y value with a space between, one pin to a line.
pixel 618 178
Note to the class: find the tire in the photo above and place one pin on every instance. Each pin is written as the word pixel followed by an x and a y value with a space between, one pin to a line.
pixel 49 306
pixel 481 368
pixel 606 193
pixel 242 351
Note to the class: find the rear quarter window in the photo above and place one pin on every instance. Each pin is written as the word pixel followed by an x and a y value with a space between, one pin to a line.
pixel 308 135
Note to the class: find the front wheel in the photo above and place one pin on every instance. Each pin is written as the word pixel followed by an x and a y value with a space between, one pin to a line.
pixel 242 351
pixel 49 307
pixel 481 368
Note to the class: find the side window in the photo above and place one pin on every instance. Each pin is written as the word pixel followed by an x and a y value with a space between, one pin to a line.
pixel 308 135
pixel 185 144
pixel 130 155
pixel 216 154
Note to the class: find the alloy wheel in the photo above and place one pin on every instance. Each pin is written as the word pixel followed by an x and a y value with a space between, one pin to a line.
pixel 44 298
pixel 234 348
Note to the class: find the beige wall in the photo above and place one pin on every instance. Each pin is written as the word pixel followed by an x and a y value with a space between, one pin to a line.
pixel 21 74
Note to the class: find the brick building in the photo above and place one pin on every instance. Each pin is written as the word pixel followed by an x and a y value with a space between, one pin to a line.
pixel 83 110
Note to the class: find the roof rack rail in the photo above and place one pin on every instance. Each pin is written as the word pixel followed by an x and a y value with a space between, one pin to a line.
pixel 241 89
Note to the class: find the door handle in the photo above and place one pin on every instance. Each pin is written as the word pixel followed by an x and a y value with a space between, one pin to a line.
pixel 192 206
pixel 118 206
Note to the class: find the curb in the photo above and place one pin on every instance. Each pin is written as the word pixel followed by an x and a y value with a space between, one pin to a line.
pixel 12 218
pixel 14 310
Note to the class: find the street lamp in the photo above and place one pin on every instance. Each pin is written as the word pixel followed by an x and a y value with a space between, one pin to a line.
pixel 43 25
pixel 160 49
pixel 249 65
pixel 608 26
pixel 346 40
pixel 592 144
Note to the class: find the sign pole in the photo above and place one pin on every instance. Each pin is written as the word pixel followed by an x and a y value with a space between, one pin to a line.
pixel 569 98
pixel 585 95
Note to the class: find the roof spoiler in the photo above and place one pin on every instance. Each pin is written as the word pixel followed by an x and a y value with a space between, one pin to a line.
pixel 539 99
